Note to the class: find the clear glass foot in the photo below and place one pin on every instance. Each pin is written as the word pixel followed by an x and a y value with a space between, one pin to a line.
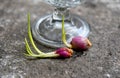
pixel 48 29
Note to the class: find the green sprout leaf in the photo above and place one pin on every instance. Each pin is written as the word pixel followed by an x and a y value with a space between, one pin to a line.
pixel 28 49
pixel 64 34
pixel 30 36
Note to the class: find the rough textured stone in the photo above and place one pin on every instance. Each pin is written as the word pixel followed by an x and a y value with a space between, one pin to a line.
pixel 101 61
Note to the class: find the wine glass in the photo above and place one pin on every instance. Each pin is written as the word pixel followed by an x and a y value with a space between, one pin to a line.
pixel 48 29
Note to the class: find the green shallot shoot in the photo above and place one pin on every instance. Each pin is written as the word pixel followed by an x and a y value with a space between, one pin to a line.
pixel 78 43
pixel 61 52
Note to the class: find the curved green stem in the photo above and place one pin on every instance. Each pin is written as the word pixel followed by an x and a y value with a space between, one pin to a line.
pixel 28 48
pixel 30 36
pixel 64 34
pixel 30 53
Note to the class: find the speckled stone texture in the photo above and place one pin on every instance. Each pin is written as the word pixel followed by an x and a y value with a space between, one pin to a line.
pixel 101 61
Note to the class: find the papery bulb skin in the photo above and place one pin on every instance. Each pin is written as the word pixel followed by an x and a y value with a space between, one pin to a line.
pixel 80 43
pixel 64 52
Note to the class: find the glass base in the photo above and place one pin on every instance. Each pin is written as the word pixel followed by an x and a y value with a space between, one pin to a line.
pixel 48 31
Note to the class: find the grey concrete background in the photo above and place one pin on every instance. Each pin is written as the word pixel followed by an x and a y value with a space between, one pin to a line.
pixel 101 61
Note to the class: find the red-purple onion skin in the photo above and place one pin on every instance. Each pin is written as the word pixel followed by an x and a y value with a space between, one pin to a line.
pixel 64 52
pixel 79 43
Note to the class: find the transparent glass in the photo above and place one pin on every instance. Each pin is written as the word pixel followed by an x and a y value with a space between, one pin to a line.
pixel 64 3
pixel 47 29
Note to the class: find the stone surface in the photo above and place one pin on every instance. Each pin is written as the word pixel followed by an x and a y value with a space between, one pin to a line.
pixel 101 61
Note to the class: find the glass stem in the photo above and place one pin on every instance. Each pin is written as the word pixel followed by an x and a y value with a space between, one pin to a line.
pixel 57 15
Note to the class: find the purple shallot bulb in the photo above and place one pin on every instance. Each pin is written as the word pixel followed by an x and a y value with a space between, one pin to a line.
pixel 80 43
pixel 64 52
